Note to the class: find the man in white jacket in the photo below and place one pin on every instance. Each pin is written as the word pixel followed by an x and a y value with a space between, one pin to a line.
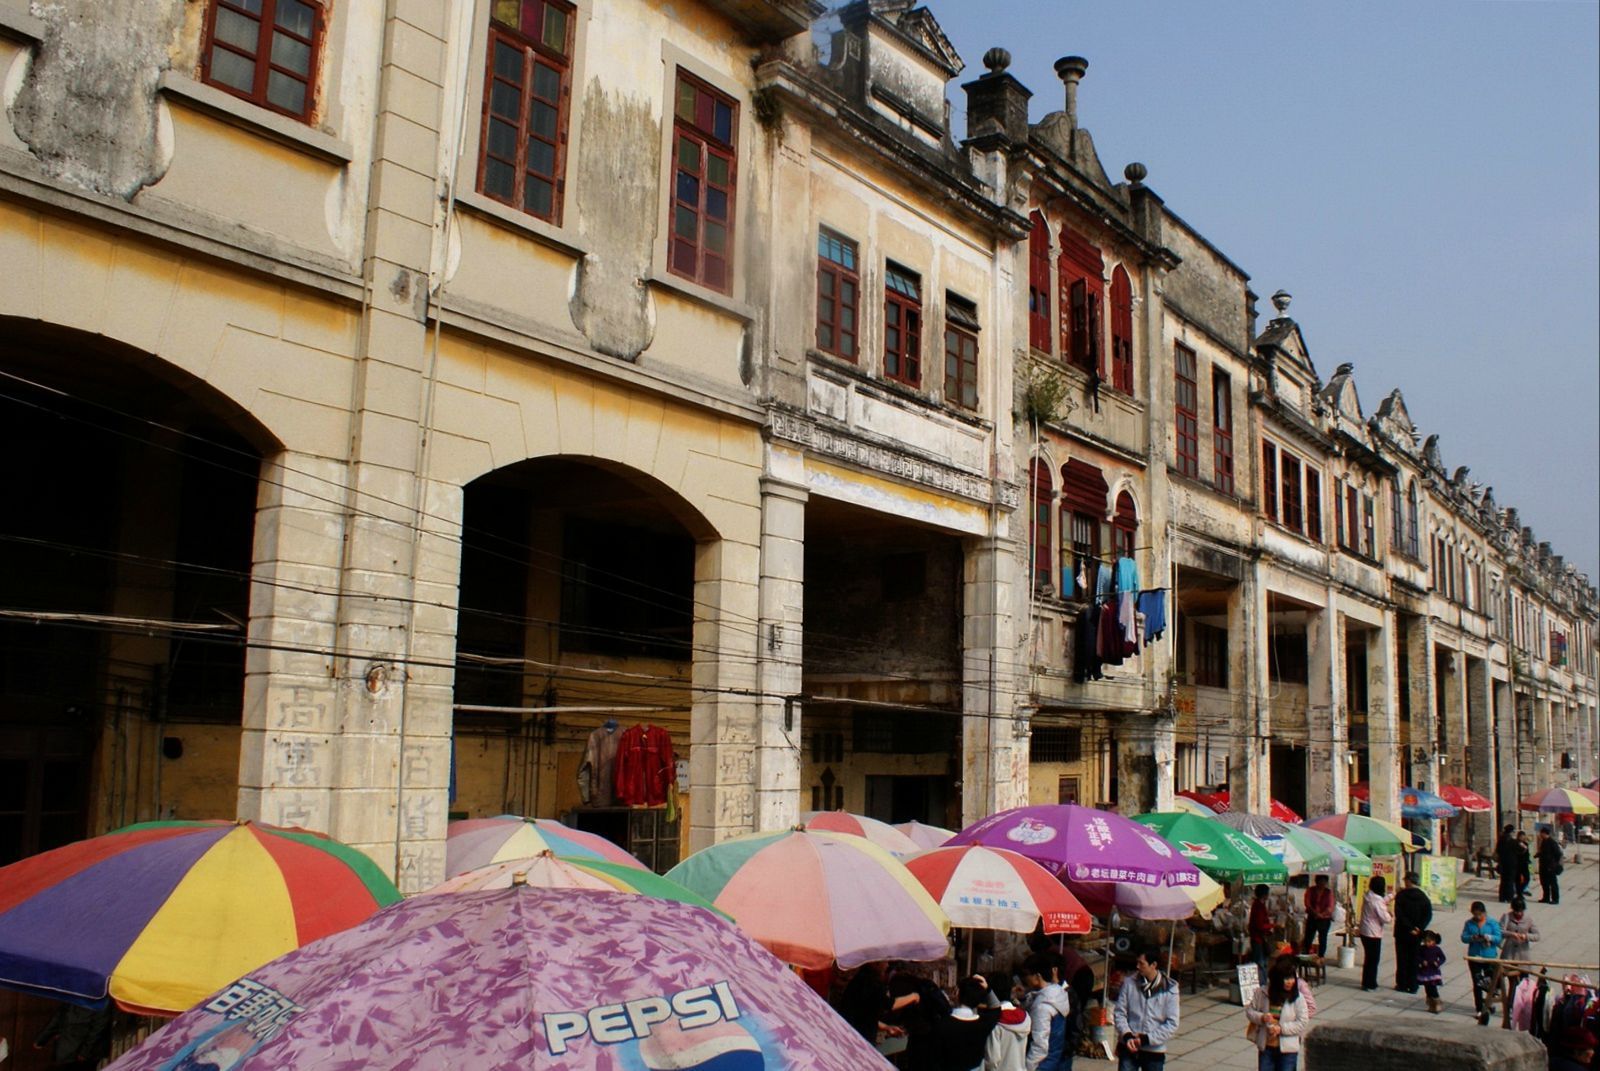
pixel 1047 1001
pixel 1146 1015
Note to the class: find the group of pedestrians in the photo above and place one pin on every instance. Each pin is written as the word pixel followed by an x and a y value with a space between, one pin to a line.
pixel 1516 860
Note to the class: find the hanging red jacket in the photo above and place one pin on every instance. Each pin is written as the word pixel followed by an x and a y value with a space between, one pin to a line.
pixel 646 769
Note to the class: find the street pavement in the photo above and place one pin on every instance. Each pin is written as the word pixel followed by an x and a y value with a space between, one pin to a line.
pixel 1212 1031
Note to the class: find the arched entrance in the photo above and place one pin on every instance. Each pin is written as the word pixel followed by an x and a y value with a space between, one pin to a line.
pixel 125 555
pixel 577 620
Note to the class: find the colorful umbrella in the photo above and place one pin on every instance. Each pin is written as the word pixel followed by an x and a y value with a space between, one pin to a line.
pixel 1562 801
pixel 1217 849
pixel 1466 799
pixel 1414 802
pixel 994 889
pixel 1342 858
pixel 1082 844
pixel 549 871
pixel 815 898
pixel 1150 901
pixel 882 834
pixel 159 915
pixel 1219 802
pixel 476 842
pixel 925 837
pixel 518 979
pixel 1190 805
pixel 1371 835
pixel 1299 853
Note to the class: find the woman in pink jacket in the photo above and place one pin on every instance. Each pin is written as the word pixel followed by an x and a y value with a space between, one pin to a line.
pixel 1374 917
pixel 1278 1012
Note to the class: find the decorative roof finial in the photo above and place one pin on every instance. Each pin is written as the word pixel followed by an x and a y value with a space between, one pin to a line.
pixel 1280 301
pixel 997 60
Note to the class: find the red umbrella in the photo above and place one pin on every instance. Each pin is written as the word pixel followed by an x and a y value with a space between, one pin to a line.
pixel 1218 801
pixel 1464 798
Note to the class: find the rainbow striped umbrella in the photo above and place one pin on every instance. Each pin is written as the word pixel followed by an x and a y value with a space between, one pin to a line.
pixel 1374 836
pixel 1562 801
pixel 547 871
pixel 882 834
pixel 475 842
pixel 160 915
pixel 814 898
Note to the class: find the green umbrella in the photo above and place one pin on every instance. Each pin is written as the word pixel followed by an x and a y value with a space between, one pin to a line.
pixel 1299 853
pixel 1344 858
pixel 1219 850
pixel 1371 835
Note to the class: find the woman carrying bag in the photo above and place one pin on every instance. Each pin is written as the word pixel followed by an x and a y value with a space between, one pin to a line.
pixel 1278 1016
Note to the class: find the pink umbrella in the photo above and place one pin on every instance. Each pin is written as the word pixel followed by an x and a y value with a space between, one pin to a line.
pixel 925 836
pixel 882 834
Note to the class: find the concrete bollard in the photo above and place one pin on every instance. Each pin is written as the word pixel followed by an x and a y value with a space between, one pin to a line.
pixel 1392 1043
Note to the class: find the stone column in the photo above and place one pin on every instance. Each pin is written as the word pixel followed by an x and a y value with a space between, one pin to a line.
pixel 1251 721
pixel 1482 748
pixel 1384 756
pixel 1506 738
pixel 994 752
pixel 724 724
pixel 1327 782
pixel 1452 686
pixel 783 521
pixel 1424 714
pixel 1146 748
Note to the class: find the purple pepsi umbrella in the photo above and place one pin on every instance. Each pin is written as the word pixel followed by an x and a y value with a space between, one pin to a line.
pixel 1083 844
pixel 521 978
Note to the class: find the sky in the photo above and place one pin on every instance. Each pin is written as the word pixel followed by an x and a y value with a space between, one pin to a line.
pixel 1422 175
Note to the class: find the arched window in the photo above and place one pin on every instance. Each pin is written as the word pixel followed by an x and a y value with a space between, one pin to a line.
pixel 1083 509
pixel 1125 527
pixel 1411 521
pixel 1043 492
pixel 1082 294
pixel 1039 284
pixel 1121 330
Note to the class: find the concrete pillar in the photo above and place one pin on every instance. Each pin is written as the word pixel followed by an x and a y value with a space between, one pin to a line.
pixel 1424 714
pixel 724 723
pixel 1383 753
pixel 1452 686
pixel 783 520
pixel 994 747
pixel 1482 749
pixel 1146 755
pixel 1505 734
pixel 1248 628
pixel 1327 782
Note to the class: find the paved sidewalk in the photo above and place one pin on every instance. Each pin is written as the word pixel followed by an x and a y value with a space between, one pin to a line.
pixel 1212 1035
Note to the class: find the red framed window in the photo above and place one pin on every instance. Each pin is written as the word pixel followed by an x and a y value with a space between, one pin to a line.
pixel 1124 527
pixel 1313 504
pixel 838 294
pixel 902 325
pixel 265 51
pixel 1269 480
pixel 1039 284
pixel 1121 330
pixel 1221 431
pixel 1352 514
pixel 1185 411
pixel 522 156
pixel 1289 484
pixel 1369 526
pixel 705 131
pixel 1043 492
pixel 1079 267
pixel 960 351
pixel 1084 530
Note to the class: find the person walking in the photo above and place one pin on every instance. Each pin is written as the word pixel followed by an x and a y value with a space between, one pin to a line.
pixel 1481 935
pixel 1279 1014
pixel 1506 857
pixel 1374 917
pixel 1320 903
pixel 1549 856
pixel 1517 931
pixel 1049 1009
pixel 1260 928
pixel 1412 913
pixel 1146 1015
pixel 1430 969
pixel 1524 865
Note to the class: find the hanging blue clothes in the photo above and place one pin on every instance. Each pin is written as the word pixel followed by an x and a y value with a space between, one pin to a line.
pixel 1105 584
pixel 1153 605
pixel 1127 575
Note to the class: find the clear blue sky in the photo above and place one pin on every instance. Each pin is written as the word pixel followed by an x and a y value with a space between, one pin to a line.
pixel 1424 177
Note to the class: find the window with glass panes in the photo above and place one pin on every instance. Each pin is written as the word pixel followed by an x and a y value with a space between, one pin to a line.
pixel 265 51
pixel 1289 481
pixel 1222 431
pixel 1079 269
pixel 960 352
pixel 1125 527
pixel 1185 411
pixel 705 129
pixel 1085 550
pixel 1043 491
pixel 838 291
pixel 522 159
pixel 902 325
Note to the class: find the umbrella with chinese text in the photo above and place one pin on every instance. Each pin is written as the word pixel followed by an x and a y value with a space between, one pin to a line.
pixel 994 889
pixel 1216 848
pixel 158 915
pixel 1466 799
pixel 1414 802
pixel 518 979
pixel 1300 854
